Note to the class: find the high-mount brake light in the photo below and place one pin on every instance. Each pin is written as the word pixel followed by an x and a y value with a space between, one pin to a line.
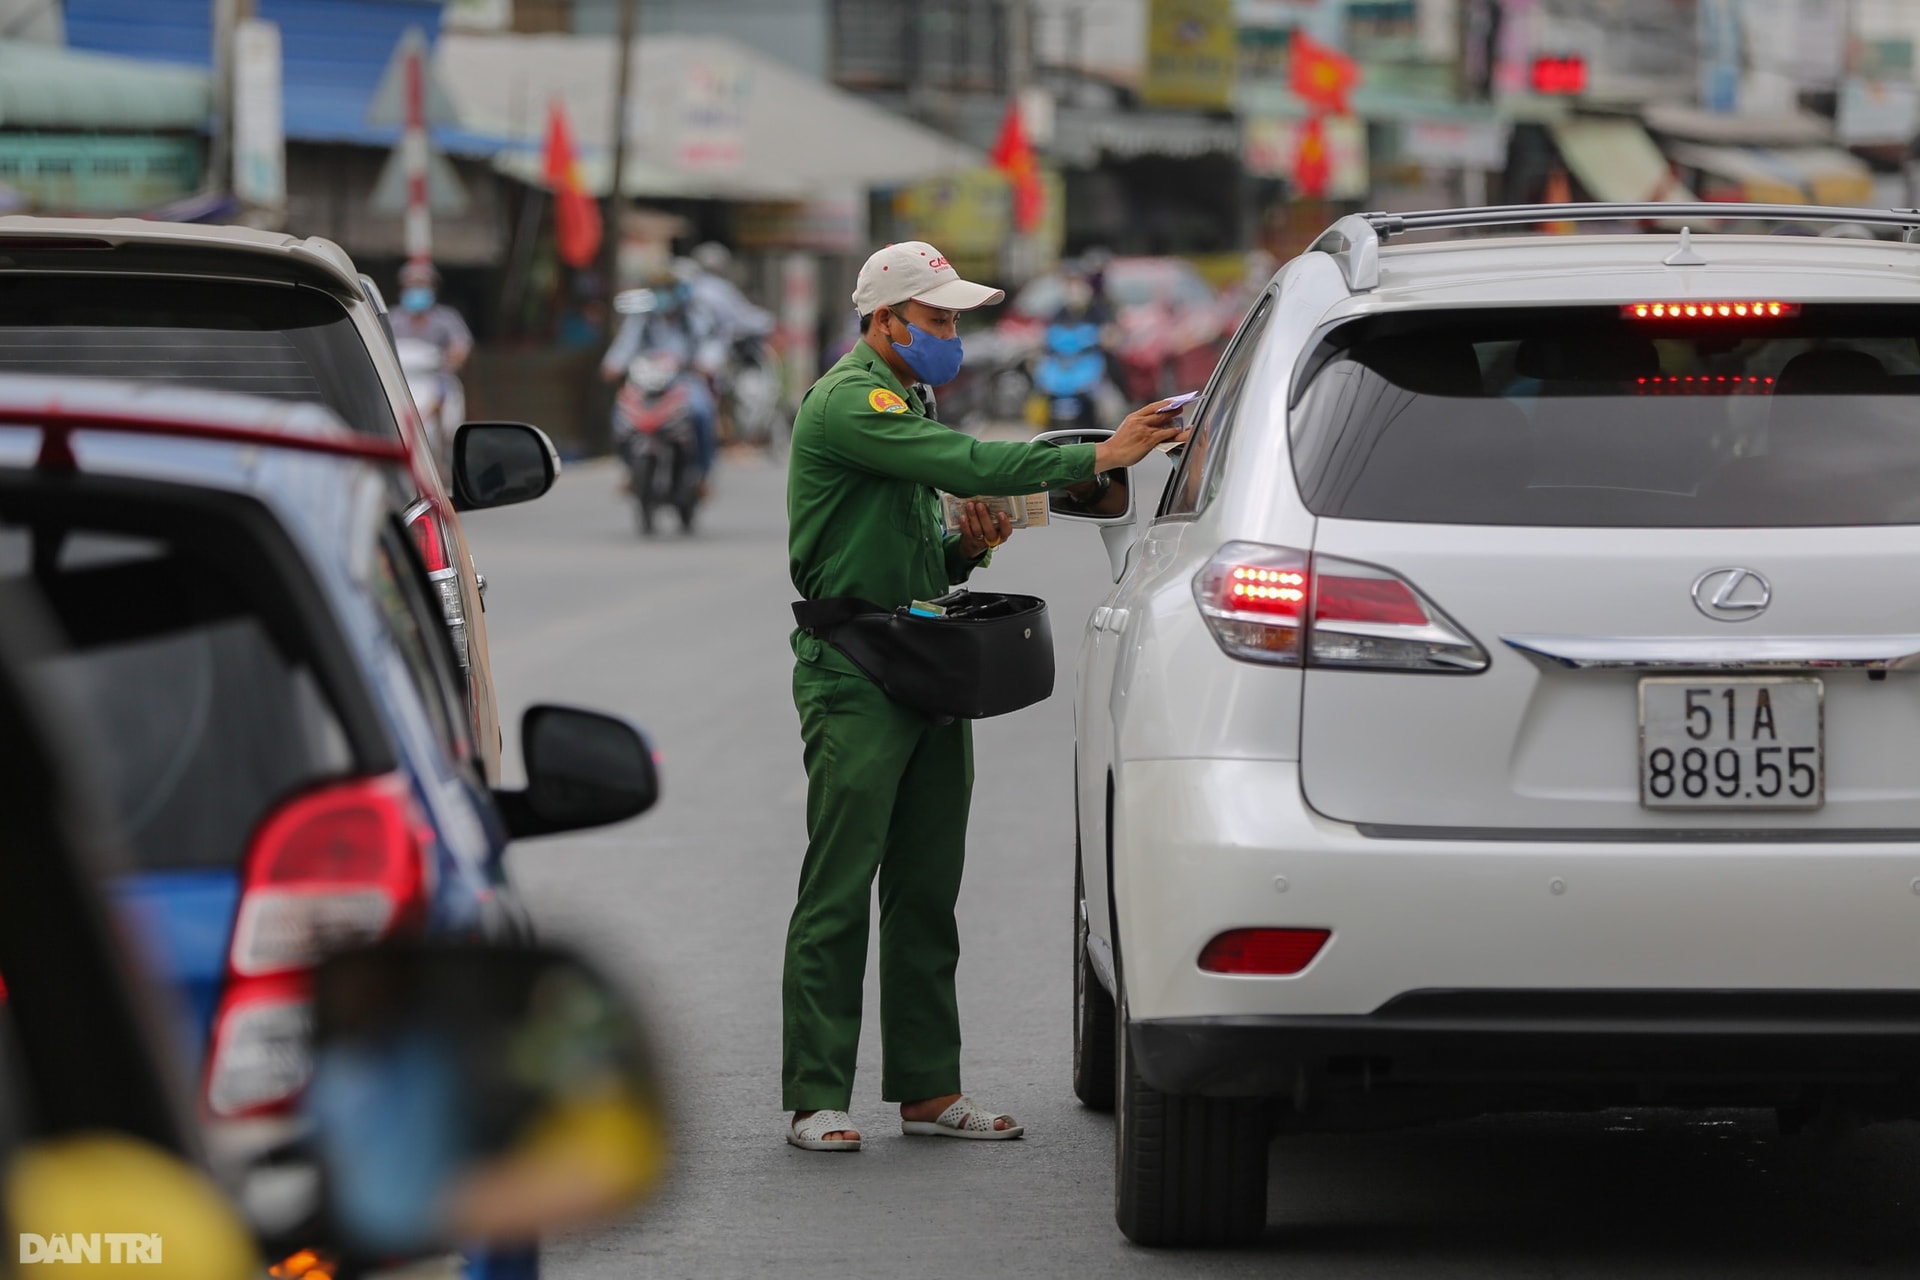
pixel 1283 607
pixel 1703 384
pixel 1744 309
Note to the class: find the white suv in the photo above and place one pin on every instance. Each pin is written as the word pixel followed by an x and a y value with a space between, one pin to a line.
pixel 1513 703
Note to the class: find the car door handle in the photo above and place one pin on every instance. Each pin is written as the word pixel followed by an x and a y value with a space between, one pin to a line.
pixel 1100 616
pixel 1117 621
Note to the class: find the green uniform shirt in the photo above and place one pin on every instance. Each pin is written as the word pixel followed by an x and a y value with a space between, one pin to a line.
pixel 863 518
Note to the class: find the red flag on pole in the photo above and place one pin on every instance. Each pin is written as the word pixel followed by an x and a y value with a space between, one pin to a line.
pixel 1312 169
pixel 1013 155
pixel 1320 77
pixel 576 214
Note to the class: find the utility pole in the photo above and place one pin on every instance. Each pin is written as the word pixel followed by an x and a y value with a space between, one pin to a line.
pixel 226 16
pixel 617 198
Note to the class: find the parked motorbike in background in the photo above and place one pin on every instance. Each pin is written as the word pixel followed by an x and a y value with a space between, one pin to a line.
pixel 751 389
pixel 1070 383
pixel 653 415
pixel 438 396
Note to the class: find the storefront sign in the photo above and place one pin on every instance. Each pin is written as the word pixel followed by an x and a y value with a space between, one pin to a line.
pixel 1190 54
pixel 824 224
pixel 98 173
pixel 1454 144
pixel 1271 149
pixel 712 127
pixel 259 141
pixel 969 214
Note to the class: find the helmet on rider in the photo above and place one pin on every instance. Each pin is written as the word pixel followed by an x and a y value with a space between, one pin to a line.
pixel 713 258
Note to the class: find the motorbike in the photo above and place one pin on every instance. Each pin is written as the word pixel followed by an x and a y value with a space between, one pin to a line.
pixel 658 440
pixel 1070 384
pixel 753 389
pixel 437 396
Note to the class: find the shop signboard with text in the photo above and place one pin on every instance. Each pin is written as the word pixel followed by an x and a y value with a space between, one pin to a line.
pixel 1191 48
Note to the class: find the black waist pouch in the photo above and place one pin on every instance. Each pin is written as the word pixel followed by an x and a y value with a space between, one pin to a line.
pixel 989 655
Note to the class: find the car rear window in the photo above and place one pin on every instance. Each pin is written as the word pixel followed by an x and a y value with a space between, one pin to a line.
pixel 280 341
pixel 197 702
pixel 1591 416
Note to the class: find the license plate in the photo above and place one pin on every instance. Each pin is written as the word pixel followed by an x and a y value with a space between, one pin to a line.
pixel 1753 742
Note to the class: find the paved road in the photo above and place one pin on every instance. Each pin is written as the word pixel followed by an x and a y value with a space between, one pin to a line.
pixel 690 905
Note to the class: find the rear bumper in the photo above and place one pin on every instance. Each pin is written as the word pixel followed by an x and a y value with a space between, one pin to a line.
pixel 1203 846
pixel 1625 1044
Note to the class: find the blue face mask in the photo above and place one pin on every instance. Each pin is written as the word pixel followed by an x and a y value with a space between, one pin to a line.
pixel 935 360
pixel 417 297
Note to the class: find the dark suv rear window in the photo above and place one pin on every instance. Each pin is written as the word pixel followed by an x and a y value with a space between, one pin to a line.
pixel 1591 416
pixel 264 339
pixel 197 702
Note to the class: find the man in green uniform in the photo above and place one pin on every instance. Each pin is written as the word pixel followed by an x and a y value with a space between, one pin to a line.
pixel 888 789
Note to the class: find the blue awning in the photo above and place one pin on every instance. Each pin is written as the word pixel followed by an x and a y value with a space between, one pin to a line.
pixel 334 53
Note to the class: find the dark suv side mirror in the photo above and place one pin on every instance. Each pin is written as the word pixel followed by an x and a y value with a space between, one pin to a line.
pixel 584 769
pixel 496 464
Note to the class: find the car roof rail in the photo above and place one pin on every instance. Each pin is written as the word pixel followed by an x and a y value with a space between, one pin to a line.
pixel 1354 241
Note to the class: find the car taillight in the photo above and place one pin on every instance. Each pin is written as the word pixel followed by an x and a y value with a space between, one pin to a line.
pixel 1274 952
pixel 260 1060
pixel 436 552
pixel 333 867
pixel 329 869
pixel 1285 607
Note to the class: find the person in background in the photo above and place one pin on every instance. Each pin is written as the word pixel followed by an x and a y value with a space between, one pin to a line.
pixel 668 324
pixel 422 315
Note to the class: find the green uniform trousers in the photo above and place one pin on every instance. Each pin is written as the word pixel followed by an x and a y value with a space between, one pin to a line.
pixel 887 794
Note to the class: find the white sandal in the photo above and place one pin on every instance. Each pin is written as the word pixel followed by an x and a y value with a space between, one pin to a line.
pixel 810 1134
pixel 964 1119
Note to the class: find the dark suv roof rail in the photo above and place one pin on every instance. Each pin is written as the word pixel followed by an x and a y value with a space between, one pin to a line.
pixel 1354 241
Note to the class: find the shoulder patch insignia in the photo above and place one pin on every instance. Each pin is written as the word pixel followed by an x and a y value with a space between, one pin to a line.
pixel 884 401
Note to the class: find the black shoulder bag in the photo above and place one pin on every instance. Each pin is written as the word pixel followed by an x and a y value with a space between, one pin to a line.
pixel 989 655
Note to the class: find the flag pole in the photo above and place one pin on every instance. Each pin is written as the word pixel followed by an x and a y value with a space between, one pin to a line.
pixel 617 196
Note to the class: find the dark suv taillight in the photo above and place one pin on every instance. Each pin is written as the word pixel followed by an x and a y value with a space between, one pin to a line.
pixel 1286 607
pixel 436 551
pixel 331 868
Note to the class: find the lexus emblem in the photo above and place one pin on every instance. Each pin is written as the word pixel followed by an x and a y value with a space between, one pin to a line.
pixel 1732 595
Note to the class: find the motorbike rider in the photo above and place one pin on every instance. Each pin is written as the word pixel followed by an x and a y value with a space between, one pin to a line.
pixel 670 326
pixel 423 316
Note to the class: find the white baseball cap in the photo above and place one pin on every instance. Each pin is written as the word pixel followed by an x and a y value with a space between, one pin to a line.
pixel 914 270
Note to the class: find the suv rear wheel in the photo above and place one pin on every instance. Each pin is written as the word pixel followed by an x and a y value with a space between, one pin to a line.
pixel 1187 1171
pixel 1093 1016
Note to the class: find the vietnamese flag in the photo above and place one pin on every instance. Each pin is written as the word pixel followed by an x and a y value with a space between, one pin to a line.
pixel 1013 156
pixel 576 214
pixel 1320 77
pixel 1312 169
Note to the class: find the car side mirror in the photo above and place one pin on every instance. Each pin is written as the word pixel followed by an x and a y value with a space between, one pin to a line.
pixel 1107 499
pixel 1109 506
pixel 481 1094
pixel 584 769
pixel 496 464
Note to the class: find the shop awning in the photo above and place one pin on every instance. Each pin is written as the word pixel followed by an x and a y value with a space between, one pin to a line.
pixel 1615 160
pixel 1694 124
pixel 48 87
pixel 711 118
pixel 1787 175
